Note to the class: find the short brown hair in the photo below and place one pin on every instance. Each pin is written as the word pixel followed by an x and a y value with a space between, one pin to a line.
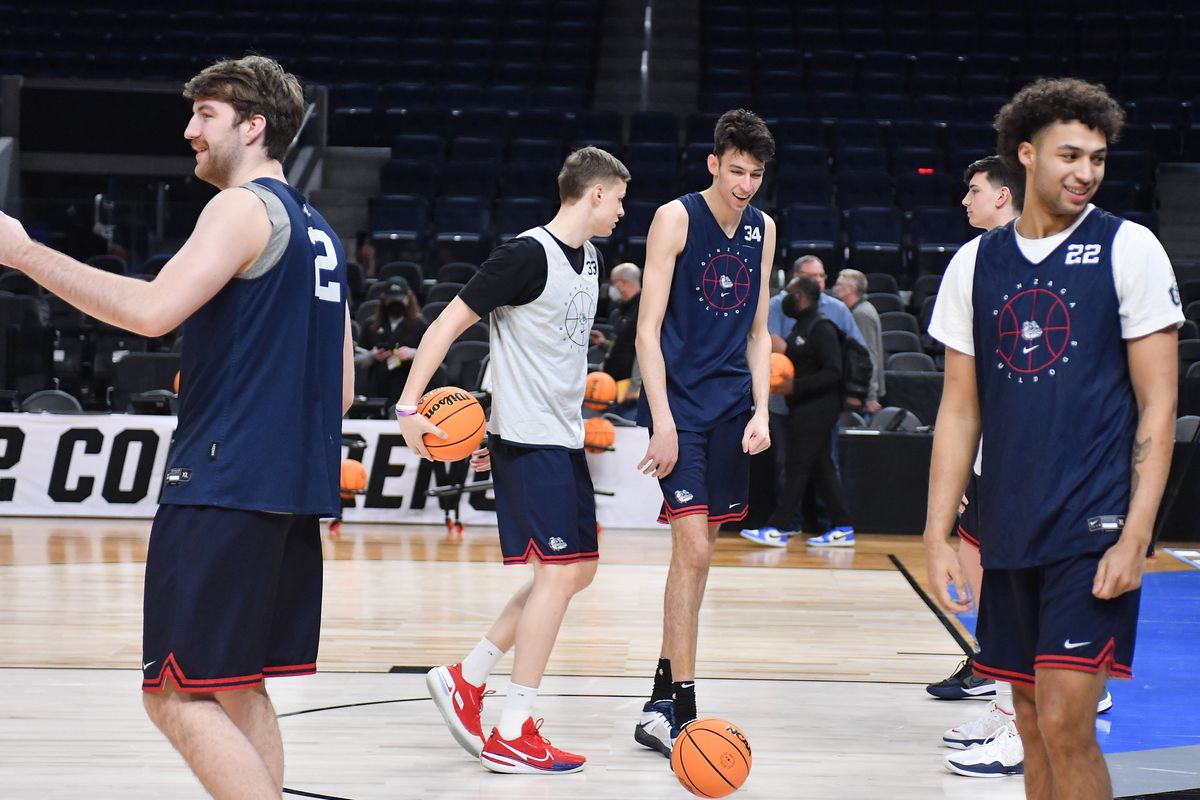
pixel 739 129
pixel 1046 101
pixel 254 85
pixel 586 167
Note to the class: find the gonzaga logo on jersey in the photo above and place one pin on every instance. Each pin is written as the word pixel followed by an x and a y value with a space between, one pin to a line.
pixel 1034 331
pixel 725 282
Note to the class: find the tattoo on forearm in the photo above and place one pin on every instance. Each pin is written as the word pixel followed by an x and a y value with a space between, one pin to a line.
pixel 1140 451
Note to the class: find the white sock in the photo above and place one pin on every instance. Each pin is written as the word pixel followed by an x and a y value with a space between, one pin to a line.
pixel 1004 697
pixel 479 664
pixel 518 707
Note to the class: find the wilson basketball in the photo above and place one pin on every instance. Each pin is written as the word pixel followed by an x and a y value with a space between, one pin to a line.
pixel 354 477
pixel 459 414
pixel 598 434
pixel 711 757
pixel 600 391
pixel 781 370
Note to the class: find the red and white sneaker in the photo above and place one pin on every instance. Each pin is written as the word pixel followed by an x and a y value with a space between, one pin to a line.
pixel 460 703
pixel 528 753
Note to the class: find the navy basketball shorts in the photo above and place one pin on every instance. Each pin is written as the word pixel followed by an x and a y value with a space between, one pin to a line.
pixel 545 507
pixel 968 526
pixel 711 475
pixel 1047 618
pixel 231 597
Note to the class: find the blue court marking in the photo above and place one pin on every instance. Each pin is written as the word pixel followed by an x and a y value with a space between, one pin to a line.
pixel 1159 707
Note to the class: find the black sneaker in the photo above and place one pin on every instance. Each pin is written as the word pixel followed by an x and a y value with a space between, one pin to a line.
pixel 963 685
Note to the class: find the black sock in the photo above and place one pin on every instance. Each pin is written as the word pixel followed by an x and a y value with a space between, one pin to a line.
pixel 662 681
pixel 685 702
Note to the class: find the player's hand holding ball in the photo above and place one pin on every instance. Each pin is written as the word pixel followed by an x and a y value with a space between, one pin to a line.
pixel 414 427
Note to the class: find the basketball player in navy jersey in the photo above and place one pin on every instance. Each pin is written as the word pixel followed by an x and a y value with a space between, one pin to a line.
pixel 233 571
pixel 704 351
pixel 540 293
pixel 1061 333
pixel 993 198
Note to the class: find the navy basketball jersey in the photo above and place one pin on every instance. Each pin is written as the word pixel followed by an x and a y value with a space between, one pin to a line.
pixel 714 296
pixel 1058 407
pixel 261 386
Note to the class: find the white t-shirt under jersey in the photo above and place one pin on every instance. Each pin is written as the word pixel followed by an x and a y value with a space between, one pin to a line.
pixel 1145 283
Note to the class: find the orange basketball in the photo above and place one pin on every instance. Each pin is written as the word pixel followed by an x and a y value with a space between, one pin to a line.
pixel 354 477
pixel 598 434
pixel 176 384
pixel 711 757
pixel 600 391
pixel 781 370
pixel 457 413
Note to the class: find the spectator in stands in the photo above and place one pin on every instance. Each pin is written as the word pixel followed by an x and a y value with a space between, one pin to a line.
pixel 365 253
pixel 851 289
pixel 391 340
pixel 814 399
pixel 625 292
pixel 831 308
pixel 779 325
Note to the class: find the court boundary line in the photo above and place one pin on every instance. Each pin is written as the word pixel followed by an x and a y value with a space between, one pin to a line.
pixel 937 611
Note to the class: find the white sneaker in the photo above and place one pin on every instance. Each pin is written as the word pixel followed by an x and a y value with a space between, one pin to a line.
pixel 1105 704
pixel 978 730
pixel 834 537
pixel 1002 754
pixel 771 537
pixel 656 726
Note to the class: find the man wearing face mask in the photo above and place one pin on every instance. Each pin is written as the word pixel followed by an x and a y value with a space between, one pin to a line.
pixel 779 325
pixel 625 293
pixel 814 399
pixel 391 340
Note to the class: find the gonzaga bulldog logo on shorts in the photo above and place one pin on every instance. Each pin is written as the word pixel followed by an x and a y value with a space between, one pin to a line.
pixel 1033 326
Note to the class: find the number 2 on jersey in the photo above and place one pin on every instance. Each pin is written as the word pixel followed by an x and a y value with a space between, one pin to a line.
pixel 327 262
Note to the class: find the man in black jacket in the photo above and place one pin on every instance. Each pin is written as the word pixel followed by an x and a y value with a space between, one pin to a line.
pixel 814 402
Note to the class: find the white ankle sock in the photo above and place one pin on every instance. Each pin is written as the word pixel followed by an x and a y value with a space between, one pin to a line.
pixel 479 664
pixel 1004 697
pixel 518 707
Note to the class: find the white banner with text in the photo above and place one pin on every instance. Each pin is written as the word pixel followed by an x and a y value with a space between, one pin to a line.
pixel 101 465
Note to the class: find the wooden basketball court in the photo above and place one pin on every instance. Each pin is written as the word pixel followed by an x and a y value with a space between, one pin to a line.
pixel 821 656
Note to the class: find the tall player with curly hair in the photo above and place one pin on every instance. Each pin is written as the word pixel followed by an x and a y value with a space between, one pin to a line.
pixel 1060 331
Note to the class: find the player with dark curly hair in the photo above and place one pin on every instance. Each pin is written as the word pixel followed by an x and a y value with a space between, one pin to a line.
pixel 1044 102
pixel 1060 330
